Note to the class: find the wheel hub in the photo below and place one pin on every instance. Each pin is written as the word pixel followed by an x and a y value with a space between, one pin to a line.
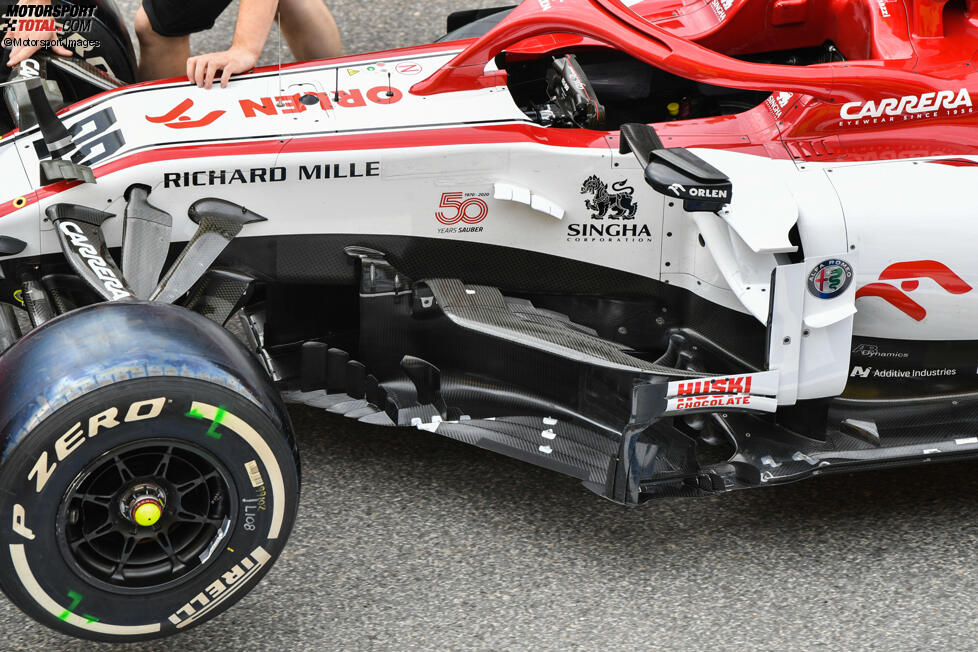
pixel 143 504
pixel 146 515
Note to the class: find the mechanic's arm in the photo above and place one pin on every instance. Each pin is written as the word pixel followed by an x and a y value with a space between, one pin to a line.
pixel 18 53
pixel 255 18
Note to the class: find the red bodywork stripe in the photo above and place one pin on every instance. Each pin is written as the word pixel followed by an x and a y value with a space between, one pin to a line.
pixel 894 297
pixel 515 133
pixel 938 272
pixel 956 162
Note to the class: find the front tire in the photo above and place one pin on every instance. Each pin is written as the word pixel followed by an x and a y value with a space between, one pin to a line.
pixel 224 481
pixel 146 506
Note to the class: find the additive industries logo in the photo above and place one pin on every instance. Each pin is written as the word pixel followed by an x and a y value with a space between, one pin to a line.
pixel 867 372
pixel 618 204
pixel 909 107
pixel 910 273
pixel 830 278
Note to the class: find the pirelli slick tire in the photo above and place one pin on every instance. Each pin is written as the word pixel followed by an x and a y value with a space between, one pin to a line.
pixel 145 494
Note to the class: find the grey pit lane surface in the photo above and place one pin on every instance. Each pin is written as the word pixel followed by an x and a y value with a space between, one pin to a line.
pixel 406 540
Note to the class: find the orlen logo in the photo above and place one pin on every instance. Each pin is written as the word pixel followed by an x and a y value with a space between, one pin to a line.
pixel 709 193
pixel 908 104
pixel 910 273
pixel 175 118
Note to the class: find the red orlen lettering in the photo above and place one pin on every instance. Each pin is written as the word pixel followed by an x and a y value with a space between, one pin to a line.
pixel 384 95
pixel 291 103
pixel 324 102
pixel 350 99
pixel 249 107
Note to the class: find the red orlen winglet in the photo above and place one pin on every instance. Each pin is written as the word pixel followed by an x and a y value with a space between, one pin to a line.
pixel 894 297
pixel 172 113
pixel 938 272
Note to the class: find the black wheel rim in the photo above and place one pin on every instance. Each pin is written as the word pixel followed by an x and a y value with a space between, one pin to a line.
pixel 106 547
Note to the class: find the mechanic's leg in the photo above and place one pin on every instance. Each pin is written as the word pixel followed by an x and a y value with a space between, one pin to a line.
pixel 309 29
pixel 160 56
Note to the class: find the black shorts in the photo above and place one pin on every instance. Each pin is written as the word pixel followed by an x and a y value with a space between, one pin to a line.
pixel 183 17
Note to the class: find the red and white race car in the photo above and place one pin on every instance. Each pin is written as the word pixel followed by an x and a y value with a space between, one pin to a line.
pixel 667 248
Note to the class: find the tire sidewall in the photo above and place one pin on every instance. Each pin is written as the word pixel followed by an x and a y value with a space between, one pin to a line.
pixel 239 435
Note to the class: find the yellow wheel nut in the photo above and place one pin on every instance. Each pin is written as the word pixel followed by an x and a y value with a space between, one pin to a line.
pixel 147 513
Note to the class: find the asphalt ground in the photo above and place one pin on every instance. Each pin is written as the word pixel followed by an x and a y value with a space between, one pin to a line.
pixel 409 541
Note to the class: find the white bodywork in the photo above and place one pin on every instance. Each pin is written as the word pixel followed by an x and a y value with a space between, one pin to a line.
pixel 380 160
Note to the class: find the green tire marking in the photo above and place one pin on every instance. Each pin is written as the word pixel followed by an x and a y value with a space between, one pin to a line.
pixel 218 418
pixel 76 599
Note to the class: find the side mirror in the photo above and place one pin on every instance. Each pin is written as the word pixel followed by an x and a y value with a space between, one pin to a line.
pixel 675 171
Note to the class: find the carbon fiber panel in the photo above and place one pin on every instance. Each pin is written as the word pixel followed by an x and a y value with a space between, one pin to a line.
pixel 521 442
pixel 80 233
pixel 219 222
pixel 219 294
pixel 145 242
pixel 484 309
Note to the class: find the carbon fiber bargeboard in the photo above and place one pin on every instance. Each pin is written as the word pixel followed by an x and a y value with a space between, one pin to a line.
pixel 484 309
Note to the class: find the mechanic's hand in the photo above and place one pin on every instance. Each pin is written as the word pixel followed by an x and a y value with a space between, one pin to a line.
pixel 18 53
pixel 202 69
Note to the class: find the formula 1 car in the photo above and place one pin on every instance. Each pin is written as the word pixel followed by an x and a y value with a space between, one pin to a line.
pixel 667 248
